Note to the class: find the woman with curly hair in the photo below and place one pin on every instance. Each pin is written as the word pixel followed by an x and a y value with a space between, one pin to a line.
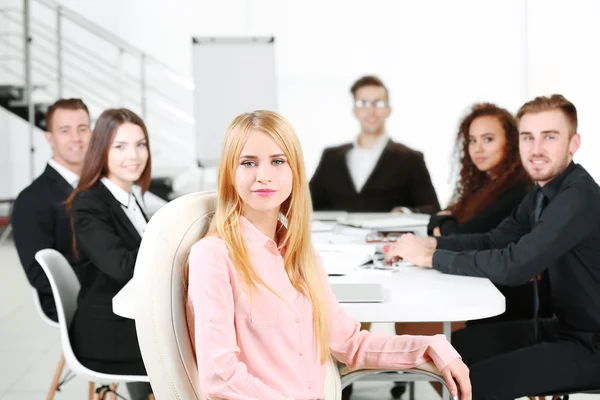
pixel 492 179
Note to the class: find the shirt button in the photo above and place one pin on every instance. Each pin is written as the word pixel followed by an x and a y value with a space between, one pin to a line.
pixel 300 354
pixel 297 321
pixel 310 387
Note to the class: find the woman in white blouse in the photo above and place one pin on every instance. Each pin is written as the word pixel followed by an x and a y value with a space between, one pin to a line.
pixel 108 224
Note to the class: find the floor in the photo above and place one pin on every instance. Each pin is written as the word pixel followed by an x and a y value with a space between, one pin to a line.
pixel 30 349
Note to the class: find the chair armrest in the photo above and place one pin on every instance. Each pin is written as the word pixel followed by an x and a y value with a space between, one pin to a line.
pixel 424 372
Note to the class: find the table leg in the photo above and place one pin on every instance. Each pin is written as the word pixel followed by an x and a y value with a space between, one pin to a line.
pixel 5 234
pixel 448 333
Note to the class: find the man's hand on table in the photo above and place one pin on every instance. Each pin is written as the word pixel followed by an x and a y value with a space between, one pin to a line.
pixel 417 250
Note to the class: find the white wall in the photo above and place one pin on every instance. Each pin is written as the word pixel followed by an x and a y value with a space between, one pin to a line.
pixel 564 57
pixel 15 155
pixel 437 57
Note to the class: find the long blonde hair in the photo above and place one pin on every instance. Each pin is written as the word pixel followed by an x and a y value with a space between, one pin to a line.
pixel 299 257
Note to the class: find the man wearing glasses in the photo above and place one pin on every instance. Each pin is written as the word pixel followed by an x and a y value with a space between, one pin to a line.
pixel 373 174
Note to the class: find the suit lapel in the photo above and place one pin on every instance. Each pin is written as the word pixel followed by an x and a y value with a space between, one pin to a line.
pixel 58 180
pixel 343 155
pixel 119 214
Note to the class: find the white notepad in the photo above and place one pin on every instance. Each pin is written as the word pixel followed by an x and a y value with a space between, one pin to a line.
pixel 358 292
pixel 387 220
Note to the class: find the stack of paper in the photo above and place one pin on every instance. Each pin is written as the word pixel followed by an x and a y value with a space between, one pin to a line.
pixel 318 226
pixel 381 221
pixel 342 259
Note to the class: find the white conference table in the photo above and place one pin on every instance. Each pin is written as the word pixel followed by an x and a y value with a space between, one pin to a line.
pixel 412 294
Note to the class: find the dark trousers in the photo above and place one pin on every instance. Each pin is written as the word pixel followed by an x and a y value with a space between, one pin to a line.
pixel 507 362
pixel 139 390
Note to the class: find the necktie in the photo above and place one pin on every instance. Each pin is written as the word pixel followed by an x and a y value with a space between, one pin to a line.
pixel 537 211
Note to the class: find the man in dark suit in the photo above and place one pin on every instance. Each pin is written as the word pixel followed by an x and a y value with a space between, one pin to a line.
pixel 39 219
pixel 373 174
pixel 554 232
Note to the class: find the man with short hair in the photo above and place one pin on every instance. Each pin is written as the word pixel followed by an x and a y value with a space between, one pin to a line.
pixel 39 219
pixel 554 231
pixel 373 174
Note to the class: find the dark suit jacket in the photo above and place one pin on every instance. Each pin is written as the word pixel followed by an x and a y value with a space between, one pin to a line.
pixel 108 244
pixel 399 179
pixel 519 299
pixel 39 221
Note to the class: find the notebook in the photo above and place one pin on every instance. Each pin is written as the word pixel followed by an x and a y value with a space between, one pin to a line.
pixel 358 292
pixel 328 215
pixel 383 220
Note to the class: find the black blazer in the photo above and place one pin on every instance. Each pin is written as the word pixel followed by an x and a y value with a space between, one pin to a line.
pixel 399 179
pixel 488 219
pixel 39 221
pixel 108 244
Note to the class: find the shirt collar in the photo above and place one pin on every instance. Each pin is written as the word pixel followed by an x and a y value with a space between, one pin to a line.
pixel 378 146
pixel 71 177
pixel 551 188
pixel 253 235
pixel 121 195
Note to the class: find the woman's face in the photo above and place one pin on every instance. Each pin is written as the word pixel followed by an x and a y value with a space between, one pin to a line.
pixel 263 178
pixel 128 155
pixel 487 141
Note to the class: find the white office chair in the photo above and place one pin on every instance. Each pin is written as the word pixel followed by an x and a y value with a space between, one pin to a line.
pixel 56 381
pixel 161 310
pixel 65 288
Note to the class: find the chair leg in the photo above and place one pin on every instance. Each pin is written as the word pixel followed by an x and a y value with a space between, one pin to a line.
pixel 91 390
pixel 56 379
pixel 100 393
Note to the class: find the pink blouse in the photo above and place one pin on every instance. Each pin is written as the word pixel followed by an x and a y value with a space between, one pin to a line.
pixel 268 351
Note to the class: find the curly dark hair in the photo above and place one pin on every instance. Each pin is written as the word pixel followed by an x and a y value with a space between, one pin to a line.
pixel 476 190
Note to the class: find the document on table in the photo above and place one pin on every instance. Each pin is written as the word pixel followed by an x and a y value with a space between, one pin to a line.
pixel 318 226
pixel 379 221
pixel 342 259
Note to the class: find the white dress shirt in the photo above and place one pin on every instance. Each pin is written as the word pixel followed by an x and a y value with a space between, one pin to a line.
pixel 361 162
pixel 71 177
pixel 129 204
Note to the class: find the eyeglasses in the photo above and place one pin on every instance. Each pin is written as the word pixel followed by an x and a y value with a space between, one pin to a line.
pixel 370 103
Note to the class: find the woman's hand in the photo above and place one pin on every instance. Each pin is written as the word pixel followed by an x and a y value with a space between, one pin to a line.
pixel 437 232
pixel 444 212
pixel 458 371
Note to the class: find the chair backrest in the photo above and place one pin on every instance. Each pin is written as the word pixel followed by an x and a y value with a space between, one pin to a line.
pixel 65 289
pixel 40 310
pixel 160 313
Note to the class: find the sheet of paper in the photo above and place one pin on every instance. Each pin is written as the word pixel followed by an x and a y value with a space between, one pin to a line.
pixel 318 226
pixel 366 250
pixel 397 221
pixel 338 263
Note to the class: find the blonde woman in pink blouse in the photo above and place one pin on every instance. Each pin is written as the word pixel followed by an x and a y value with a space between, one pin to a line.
pixel 265 320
